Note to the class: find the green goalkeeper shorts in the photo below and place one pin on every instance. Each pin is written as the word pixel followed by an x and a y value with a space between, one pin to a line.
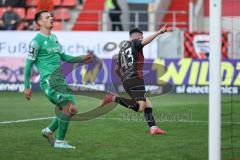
pixel 60 97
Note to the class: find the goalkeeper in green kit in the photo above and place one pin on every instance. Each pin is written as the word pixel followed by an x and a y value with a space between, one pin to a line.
pixel 45 53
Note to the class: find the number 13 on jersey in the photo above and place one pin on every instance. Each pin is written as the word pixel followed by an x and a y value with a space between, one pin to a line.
pixel 127 58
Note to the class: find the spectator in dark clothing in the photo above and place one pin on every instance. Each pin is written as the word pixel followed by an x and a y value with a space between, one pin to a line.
pixel 10 19
pixel 115 15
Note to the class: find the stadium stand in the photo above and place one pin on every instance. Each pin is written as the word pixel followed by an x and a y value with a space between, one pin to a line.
pixel 32 3
pixel 20 12
pixel 2 10
pixel 30 13
pixel 69 3
pixel 181 19
pixel 62 14
pixel 57 26
pixel 57 3
pixel 90 13
pixel 21 26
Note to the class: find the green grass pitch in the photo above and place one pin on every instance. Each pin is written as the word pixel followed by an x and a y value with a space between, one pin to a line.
pixel 120 134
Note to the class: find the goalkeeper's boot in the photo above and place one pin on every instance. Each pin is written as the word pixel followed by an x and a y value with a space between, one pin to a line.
pixel 63 144
pixel 109 98
pixel 48 134
pixel 155 130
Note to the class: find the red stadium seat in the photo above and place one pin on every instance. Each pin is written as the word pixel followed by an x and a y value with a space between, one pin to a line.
pixel 62 14
pixel 57 26
pixel 2 10
pixel 20 12
pixel 20 26
pixel 69 3
pixel 31 13
pixel 57 2
pixel 32 2
pixel 97 6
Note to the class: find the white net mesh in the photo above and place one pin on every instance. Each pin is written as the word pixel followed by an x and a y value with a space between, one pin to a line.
pixel 231 103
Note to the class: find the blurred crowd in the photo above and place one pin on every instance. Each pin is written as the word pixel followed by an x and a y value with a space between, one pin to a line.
pixel 11 20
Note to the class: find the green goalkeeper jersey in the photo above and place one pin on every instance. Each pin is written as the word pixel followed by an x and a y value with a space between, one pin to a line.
pixel 45 53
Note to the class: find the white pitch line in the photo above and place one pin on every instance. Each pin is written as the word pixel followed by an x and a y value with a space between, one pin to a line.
pixel 25 120
pixel 101 118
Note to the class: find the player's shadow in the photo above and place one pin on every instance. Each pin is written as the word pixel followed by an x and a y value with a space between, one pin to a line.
pixel 153 84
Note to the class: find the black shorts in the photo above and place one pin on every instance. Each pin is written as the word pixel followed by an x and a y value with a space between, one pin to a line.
pixel 135 88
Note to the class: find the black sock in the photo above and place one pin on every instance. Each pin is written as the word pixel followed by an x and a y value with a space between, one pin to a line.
pixel 128 103
pixel 149 117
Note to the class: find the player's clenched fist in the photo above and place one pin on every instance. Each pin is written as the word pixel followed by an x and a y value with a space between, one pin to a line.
pixel 87 58
pixel 28 93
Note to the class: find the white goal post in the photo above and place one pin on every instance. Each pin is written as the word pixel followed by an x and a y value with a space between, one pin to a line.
pixel 214 136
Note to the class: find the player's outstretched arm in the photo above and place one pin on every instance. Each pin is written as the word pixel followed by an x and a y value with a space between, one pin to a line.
pixel 149 39
pixel 77 59
pixel 27 74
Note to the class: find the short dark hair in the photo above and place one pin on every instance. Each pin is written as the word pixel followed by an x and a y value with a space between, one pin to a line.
pixel 38 15
pixel 135 30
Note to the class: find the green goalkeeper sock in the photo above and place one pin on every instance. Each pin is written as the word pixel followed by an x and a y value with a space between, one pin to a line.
pixel 63 123
pixel 53 125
